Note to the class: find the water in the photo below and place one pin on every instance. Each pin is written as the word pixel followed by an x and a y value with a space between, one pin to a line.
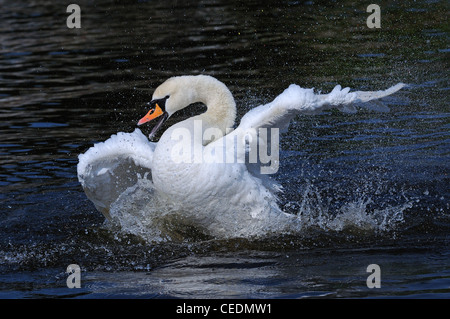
pixel 370 187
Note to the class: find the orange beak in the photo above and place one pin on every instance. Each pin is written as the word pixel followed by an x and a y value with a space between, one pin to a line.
pixel 151 115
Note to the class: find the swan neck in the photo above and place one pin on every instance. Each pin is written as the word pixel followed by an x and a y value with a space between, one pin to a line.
pixel 221 107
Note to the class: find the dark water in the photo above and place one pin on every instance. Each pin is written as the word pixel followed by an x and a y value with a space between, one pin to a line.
pixel 387 174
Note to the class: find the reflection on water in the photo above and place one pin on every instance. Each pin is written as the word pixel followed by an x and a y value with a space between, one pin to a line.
pixel 63 89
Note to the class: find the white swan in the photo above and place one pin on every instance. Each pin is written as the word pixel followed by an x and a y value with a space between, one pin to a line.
pixel 222 198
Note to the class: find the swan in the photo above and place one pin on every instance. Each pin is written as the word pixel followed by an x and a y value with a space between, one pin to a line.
pixel 222 198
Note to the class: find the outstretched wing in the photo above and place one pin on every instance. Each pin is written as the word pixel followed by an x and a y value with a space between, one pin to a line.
pixel 109 168
pixel 296 100
pixel 277 114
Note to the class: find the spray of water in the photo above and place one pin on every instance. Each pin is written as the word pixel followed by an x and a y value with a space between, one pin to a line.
pixel 153 219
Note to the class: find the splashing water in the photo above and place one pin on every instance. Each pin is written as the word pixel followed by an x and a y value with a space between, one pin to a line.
pixel 136 211
pixel 352 216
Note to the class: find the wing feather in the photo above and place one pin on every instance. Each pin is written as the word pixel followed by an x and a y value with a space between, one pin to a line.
pixel 294 101
pixel 108 168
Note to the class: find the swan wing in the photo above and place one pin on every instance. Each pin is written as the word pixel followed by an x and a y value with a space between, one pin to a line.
pixel 296 100
pixel 109 168
pixel 277 114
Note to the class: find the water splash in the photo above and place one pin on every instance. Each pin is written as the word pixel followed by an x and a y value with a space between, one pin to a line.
pixel 353 216
pixel 136 211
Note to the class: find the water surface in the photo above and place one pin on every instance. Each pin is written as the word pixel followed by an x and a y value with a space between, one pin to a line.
pixel 372 187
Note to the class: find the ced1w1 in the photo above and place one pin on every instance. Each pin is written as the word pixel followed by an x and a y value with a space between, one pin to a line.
pixel 245 308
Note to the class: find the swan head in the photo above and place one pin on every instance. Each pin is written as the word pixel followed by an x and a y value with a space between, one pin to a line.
pixel 173 95
pixel 178 92
pixel 157 110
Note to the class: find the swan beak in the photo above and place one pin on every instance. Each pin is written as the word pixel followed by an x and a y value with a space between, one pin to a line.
pixel 154 112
